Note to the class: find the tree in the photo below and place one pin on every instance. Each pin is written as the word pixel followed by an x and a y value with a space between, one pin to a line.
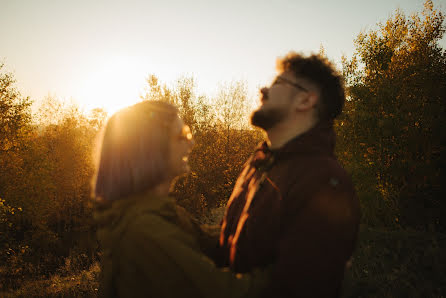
pixel 14 112
pixel 15 128
pixel 394 118
pixel 45 209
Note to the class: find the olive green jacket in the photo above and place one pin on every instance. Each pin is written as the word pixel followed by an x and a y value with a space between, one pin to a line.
pixel 150 249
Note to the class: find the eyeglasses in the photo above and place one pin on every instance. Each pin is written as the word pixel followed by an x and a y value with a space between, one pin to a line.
pixel 185 134
pixel 280 80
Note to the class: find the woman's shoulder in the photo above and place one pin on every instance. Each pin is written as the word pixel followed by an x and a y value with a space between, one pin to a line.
pixel 117 217
pixel 158 218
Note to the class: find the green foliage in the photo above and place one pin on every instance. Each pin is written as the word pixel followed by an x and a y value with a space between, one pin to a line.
pixel 14 113
pixel 45 210
pixel 392 129
pixel 397 263
pixel 390 137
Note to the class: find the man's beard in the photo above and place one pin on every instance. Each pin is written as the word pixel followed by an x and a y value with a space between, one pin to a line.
pixel 267 119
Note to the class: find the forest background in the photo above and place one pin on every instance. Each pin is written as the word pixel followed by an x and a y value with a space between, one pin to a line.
pixel 390 139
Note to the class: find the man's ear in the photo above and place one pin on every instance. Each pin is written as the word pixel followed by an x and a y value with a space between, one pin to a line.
pixel 306 101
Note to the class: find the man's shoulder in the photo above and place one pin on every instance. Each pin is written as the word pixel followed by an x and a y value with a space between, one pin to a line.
pixel 314 173
pixel 313 165
pixel 329 166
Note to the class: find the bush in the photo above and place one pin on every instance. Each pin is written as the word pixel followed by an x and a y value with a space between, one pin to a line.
pixel 397 263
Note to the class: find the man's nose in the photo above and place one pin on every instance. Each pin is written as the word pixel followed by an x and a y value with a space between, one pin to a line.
pixel 264 92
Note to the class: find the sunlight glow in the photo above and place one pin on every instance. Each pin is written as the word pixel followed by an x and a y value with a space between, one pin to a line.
pixel 112 84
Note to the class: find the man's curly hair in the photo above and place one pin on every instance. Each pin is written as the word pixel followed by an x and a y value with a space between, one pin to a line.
pixel 322 73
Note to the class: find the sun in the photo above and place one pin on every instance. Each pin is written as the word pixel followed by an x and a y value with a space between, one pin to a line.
pixel 111 84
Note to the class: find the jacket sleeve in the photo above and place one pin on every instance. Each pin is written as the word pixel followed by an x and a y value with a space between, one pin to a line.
pixel 157 259
pixel 315 245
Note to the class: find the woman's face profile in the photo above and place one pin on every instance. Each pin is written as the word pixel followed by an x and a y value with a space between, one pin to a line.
pixel 180 146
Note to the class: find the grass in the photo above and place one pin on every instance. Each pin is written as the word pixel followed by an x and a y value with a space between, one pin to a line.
pixel 82 284
pixel 387 263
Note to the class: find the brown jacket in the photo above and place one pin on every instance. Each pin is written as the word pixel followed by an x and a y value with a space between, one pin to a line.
pixel 295 210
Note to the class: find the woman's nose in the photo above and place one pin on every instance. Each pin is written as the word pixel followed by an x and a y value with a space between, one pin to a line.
pixel 264 92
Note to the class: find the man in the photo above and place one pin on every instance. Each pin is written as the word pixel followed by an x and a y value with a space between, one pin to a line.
pixel 293 208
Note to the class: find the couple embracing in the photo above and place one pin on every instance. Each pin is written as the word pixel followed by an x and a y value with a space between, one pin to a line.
pixel 291 222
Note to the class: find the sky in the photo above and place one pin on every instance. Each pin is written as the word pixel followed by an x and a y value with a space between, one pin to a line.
pixel 99 53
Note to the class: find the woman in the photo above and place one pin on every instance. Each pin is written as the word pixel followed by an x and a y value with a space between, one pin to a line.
pixel 149 245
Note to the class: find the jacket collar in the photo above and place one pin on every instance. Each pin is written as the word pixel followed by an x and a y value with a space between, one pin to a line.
pixel 319 140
